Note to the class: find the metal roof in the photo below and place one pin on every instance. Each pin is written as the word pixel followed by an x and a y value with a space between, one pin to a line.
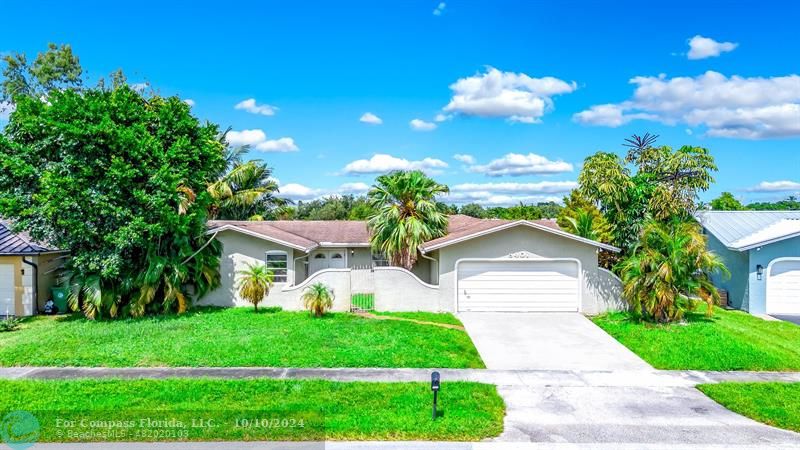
pixel 743 230
pixel 19 243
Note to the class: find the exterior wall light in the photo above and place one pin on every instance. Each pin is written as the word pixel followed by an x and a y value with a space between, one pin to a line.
pixel 759 271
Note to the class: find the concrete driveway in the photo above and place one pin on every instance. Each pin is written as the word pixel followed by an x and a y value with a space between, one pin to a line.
pixel 794 318
pixel 546 341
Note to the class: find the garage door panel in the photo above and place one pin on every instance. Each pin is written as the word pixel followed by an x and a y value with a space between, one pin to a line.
pixel 7 289
pixel 526 285
pixel 783 287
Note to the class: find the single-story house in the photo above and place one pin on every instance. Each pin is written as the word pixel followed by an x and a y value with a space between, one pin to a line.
pixel 479 265
pixel 762 251
pixel 27 272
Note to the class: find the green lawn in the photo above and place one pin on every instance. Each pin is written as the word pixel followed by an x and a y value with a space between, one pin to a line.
pixel 252 409
pixel 775 404
pixel 447 319
pixel 237 337
pixel 730 340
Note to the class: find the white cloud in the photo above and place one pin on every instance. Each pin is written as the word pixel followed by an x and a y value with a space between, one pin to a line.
pixel 421 125
pixel 354 188
pixel 189 102
pixel 776 186
pixel 736 107
pixel 245 137
pixel 257 139
pixel 516 164
pixel 497 194
pixel 296 191
pixel 382 163
pixel 466 159
pixel 439 9
pixel 702 47
pixel 6 108
pixel 140 87
pixel 282 145
pixel 250 106
pixel 371 119
pixel 514 96
pixel 442 117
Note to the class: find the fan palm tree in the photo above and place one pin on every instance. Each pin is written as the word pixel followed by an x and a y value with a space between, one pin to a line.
pixel 245 190
pixel 254 283
pixel 668 273
pixel 317 298
pixel 406 215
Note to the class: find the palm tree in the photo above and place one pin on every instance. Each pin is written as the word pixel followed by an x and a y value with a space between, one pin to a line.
pixel 245 190
pixel 254 283
pixel 317 298
pixel 668 273
pixel 406 215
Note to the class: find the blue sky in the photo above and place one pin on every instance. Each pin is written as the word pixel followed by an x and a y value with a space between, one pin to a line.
pixel 543 85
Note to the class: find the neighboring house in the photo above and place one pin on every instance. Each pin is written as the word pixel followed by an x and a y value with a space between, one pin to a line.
pixel 27 272
pixel 480 265
pixel 762 251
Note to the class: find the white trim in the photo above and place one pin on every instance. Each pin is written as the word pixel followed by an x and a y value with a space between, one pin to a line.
pixel 278 252
pixel 768 272
pixel 260 236
pixel 343 244
pixel 767 242
pixel 517 223
pixel 520 260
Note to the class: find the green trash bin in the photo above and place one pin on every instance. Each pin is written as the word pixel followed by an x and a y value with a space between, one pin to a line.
pixel 60 295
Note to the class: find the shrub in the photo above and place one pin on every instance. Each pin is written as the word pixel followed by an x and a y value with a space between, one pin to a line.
pixel 318 298
pixel 255 283
pixel 10 324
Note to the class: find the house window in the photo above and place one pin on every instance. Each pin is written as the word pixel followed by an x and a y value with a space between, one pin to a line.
pixel 378 259
pixel 277 262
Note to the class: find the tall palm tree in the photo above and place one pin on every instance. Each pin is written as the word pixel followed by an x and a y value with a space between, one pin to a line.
pixel 668 273
pixel 245 191
pixel 406 215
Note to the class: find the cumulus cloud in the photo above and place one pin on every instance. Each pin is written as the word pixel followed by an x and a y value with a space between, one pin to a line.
pixel 354 188
pixel 514 96
pixel 371 119
pixel 734 107
pixel 466 159
pixel 296 191
pixel 776 186
pixel 252 107
pixel 439 9
pixel 382 163
pixel 189 102
pixel 501 194
pixel 442 117
pixel 258 140
pixel 516 164
pixel 421 125
pixel 702 47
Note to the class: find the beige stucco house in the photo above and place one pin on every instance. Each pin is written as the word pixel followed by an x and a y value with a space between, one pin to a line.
pixel 27 272
pixel 479 265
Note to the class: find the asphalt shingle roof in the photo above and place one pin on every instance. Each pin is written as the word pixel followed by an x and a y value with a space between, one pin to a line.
pixel 19 243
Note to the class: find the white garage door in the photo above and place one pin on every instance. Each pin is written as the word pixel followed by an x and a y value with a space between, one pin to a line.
pixel 783 287
pixel 518 285
pixel 7 289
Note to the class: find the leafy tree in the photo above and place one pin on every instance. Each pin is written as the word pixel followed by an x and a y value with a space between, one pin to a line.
pixel 119 180
pixel 473 210
pixel 254 283
pixel 667 274
pixel 407 215
pixel 789 204
pixel 516 212
pixel 361 210
pixel 318 299
pixel 245 191
pixel 56 69
pixel 581 217
pixel 665 184
pixel 726 202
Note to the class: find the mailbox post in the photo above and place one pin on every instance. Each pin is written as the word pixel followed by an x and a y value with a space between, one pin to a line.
pixel 435 379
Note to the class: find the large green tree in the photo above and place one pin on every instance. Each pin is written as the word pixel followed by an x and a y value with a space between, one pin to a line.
pixel 406 215
pixel 119 180
pixel 726 202
pixel 245 190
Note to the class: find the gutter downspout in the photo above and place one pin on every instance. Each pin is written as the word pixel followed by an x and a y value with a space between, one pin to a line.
pixel 35 286
pixel 435 261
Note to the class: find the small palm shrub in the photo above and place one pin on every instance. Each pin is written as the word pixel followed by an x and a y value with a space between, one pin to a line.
pixel 318 298
pixel 9 324
pixel 254 283
pixel 668 273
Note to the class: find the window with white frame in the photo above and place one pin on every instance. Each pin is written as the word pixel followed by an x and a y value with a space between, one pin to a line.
pixel 278 263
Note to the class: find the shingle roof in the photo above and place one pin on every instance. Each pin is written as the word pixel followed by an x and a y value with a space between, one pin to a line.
pixel 19 243
pixel 308 235
pixel 743 230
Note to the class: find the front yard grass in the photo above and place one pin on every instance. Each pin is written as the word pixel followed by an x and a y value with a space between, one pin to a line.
pixel 730 340
pixel 775 404
pixel 252 409
pixel 217 337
